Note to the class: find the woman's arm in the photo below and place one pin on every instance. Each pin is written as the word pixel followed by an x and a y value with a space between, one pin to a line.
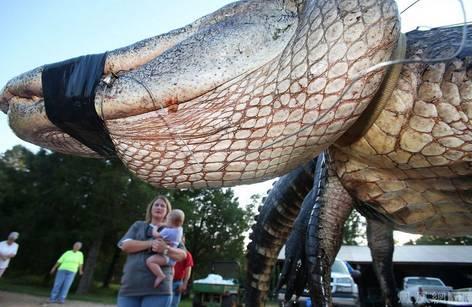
pixel 134 246
pixel 176 253
pixel 160 246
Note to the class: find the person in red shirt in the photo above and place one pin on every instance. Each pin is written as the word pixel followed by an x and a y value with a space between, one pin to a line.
pixel 182 272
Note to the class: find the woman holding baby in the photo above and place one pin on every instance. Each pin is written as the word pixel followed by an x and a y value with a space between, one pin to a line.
pixel 138 282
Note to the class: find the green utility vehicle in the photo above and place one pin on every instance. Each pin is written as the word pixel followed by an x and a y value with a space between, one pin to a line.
pixel 220 288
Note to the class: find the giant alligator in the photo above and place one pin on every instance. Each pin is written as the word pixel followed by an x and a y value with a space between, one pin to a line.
pixel 260 87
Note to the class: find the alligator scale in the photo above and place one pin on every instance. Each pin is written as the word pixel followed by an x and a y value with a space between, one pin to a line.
pixel 258 89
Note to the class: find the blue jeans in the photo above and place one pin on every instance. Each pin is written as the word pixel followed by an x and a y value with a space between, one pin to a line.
pixel 177 295
pixel 144 301
pixel 62 284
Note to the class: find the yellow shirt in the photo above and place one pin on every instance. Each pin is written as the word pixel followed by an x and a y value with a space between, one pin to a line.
pixel 71 261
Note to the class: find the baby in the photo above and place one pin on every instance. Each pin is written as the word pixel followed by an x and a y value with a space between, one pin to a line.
pixel 171 233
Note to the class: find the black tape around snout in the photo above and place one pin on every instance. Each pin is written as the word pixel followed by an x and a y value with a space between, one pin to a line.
pixel 69 99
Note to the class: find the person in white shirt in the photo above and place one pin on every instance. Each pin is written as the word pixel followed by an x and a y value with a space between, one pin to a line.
pixel 8 250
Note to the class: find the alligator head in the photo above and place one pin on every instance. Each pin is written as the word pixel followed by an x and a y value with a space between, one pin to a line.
pixel 239 96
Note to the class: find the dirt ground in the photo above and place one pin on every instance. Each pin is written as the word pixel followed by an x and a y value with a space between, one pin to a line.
pixel 11 299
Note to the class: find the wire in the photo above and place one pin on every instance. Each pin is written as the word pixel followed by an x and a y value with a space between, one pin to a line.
pixel 161 107
pixel 408 7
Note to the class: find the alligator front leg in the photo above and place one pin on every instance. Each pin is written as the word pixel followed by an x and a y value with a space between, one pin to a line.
pixel 380 240
pixel 325 228
pixel 294 274
pixel 274 223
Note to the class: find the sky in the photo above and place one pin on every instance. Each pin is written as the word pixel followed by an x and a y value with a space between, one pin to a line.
pixel 33 33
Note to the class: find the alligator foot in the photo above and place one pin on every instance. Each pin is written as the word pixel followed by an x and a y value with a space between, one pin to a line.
pixel 294 273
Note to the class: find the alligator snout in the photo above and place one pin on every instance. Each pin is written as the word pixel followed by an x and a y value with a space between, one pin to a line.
pixel 5 96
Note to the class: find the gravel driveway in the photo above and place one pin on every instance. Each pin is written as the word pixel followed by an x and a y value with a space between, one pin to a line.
pixel 12 299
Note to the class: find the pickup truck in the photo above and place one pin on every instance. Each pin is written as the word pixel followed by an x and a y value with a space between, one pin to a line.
pixel 418 291
pixel 458 297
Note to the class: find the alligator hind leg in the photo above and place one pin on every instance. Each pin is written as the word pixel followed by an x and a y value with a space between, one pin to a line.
pixel 380 240
pixel 325 228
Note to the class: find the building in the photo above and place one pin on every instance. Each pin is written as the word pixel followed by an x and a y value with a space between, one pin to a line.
pixel 452 264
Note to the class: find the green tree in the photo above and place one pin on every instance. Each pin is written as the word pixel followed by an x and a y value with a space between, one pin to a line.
pixel 435 240
pixel 54 200
pixel 215 226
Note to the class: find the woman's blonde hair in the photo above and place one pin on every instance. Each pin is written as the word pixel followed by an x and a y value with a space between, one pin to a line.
pixel 149 207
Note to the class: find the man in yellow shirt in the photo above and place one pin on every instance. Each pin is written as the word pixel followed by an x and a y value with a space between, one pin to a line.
pixel 69 263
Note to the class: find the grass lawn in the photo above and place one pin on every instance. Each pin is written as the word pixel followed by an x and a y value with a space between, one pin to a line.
pixel 36 286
